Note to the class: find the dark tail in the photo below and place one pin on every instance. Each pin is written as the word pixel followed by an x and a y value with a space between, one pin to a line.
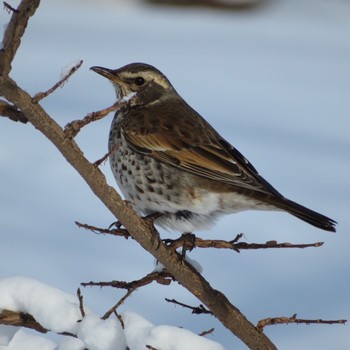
pixel 308 215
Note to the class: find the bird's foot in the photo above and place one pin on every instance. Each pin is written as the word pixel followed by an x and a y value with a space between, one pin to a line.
pixel 115 224
pixel 188 242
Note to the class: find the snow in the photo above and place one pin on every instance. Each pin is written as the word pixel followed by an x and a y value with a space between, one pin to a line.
pixel 52 308
pixel 22 340
pixel 141 332
pixel 100 334
pixel 196 265
pixel 69 343
pixel 158 267
pixel 7 333
pixel 59 311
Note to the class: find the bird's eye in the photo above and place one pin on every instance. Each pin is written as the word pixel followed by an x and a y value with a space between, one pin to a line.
pixel 139 81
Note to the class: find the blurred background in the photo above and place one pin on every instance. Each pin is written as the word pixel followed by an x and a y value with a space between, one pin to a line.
pixel 273 77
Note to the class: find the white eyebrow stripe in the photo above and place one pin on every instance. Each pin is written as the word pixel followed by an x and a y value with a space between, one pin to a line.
pixel 148 75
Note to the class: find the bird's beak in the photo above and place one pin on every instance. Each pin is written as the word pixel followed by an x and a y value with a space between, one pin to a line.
pixel 110 74
pixel 105 72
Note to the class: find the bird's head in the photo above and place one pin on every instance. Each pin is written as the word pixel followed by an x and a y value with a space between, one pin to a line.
pixel 141 82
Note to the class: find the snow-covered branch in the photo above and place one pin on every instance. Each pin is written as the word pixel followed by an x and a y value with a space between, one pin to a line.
pixel 32 304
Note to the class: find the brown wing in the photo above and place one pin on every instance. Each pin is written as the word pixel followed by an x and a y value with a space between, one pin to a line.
pixel 179 136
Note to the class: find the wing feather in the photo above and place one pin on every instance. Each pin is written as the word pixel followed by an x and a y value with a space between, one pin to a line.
pixel 167 135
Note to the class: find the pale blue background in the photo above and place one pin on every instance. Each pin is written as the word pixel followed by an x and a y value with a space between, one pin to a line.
pixel 275 82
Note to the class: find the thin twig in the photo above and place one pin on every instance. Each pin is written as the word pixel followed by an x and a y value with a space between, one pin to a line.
pixel 40 95
pixel 73 128
pixel 286 320
pixel 104 158
pixel 209 331
pixel 114 308
pixel 195 309
pixel 162 277
pixel 197 242
pixel 115 232
pixel 275 244
pixel 9 8
pixel 81 304
pixel 150 347
pixel 120 318
pixel 233 244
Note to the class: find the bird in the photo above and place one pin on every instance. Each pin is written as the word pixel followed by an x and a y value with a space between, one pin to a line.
pixel 170 163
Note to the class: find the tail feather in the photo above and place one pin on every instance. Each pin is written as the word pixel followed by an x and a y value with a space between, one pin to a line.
pixel 316 219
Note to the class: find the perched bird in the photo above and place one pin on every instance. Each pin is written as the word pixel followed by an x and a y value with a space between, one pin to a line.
pixel 168 160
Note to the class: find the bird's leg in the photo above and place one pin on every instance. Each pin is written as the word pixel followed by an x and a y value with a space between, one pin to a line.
pixel 188 242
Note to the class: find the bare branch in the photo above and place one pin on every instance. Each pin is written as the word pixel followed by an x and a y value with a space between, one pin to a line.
pixel 120 318
pixel 197 242
pixel 105 157
pixel 275 244
pixel 7 110
pixel 73 128
pixel 195 309
pixel 114 232
pixel 150 347
pixel 162 277
pixel 14 33
pixel 81 304
pixel 209 331
pixel 40 95
pixel 286 320
pixel 113 309
pixel 21 319
pixel 9 8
